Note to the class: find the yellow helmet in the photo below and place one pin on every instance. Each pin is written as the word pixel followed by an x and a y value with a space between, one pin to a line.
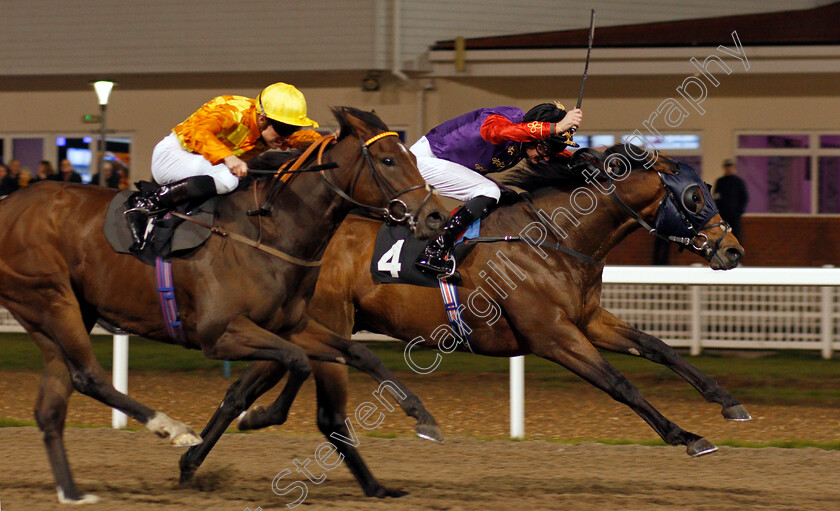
pixel 284 103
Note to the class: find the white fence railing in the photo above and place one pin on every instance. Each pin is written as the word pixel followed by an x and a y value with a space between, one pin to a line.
pixel 746 308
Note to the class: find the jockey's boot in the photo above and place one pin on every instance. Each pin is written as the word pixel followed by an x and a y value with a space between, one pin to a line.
pixel 145 208
pixel 437 257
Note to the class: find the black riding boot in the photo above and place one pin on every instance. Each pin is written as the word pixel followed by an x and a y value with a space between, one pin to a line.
pixel 145 208
pixel 437 257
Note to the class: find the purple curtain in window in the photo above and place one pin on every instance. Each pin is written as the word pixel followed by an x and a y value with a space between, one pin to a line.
pixel 777 184
pixel 829 184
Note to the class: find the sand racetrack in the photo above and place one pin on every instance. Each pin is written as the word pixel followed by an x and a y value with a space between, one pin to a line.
pixel 136 470
pixel 461 474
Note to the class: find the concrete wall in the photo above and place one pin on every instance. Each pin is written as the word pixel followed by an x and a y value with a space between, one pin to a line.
pixel 741 103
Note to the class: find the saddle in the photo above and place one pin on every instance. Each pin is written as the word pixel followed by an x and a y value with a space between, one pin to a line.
pixel 170 236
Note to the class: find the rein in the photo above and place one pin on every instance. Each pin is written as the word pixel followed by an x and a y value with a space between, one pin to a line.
pixel 554 246
pixel 248 241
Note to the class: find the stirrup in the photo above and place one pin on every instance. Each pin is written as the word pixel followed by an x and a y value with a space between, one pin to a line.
pixel 138 246
pixel 450 272
pixel 441 271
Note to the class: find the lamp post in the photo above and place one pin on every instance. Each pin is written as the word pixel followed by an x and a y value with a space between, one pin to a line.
pixel 103 90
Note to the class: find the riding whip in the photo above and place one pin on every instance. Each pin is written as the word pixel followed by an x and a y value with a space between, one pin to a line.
pixel 586 67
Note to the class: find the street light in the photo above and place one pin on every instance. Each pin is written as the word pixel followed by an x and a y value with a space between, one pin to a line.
pixel 103 90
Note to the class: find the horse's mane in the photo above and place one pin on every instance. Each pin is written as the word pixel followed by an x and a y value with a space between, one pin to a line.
pixel 342 114
pixel 564 173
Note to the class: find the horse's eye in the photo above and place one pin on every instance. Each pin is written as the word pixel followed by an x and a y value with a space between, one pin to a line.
pixel 389 161
pixel 692 199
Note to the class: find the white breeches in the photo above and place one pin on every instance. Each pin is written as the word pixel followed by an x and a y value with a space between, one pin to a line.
pixel 170 163
pixel 451 179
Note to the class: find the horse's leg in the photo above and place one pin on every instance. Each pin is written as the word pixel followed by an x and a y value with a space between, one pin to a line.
pixel 50 412
pixel 257 379
pixel 65 326
pixel 320 343
pixel 608 332
pixel 331 380
pixel 567 346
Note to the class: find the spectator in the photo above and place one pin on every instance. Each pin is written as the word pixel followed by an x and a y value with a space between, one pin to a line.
pixel 730 194
pixel 68 174
pixel 25 177
pixel 112 176
pixel 4 172
pixel 46 172
pixel 122 171
pixel 10 181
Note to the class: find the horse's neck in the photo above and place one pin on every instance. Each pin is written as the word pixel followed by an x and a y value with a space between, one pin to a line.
pixel 592 231
pixel 304 215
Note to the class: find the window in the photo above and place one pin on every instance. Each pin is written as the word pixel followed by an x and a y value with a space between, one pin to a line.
pixel 790 173
pixel 684 147
pixel 81 150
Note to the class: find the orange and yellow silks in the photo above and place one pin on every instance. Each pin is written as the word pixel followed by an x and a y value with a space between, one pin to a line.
pixel 227 125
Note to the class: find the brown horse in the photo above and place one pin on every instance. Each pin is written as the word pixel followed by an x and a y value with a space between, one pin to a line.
pixel 539 295
pixel 59 276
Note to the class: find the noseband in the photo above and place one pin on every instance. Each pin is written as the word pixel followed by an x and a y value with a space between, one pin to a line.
pixel 397 211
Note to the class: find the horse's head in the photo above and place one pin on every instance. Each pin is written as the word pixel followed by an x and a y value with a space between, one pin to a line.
pixel 377 172
pixel 670 200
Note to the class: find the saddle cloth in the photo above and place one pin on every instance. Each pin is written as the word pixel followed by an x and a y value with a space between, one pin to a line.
pixel 170 236
pixel 396 250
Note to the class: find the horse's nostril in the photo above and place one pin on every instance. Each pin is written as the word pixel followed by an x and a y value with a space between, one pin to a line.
pixel 434 220
pixel 734 254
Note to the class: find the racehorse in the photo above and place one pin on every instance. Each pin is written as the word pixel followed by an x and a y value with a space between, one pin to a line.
pixel 59 276
pixel 547 293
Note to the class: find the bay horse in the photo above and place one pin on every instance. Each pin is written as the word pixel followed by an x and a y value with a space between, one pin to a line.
pixel 548 294
pixel 59 276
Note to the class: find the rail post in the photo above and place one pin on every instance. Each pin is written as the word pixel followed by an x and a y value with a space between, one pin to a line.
pixel 517 397
pixel 119 374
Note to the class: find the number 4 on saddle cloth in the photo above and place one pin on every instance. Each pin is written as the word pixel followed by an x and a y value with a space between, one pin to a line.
pixel 396 250
pixel 170 236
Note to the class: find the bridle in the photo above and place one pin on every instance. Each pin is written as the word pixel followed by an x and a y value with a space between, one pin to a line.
pixel 397 211
pixel 696 239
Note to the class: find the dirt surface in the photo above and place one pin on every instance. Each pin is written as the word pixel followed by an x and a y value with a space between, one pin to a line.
pixel 136 470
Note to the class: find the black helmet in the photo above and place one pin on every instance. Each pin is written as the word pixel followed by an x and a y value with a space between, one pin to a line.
pixel 550 112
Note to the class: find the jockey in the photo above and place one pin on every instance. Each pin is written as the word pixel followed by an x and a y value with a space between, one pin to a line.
pixel 454 156
pixel 204 155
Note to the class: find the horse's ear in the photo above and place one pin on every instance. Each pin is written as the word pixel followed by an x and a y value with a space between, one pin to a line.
pixel 359 127
pixel 349 124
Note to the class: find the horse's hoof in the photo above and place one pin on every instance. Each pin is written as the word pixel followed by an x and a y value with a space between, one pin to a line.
pixel 186 439
pixel 700 447
pixel 383 492
pixel 86 498
pixel 429 432
pixel 250 419
pixel 736 413
pixel 186 477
